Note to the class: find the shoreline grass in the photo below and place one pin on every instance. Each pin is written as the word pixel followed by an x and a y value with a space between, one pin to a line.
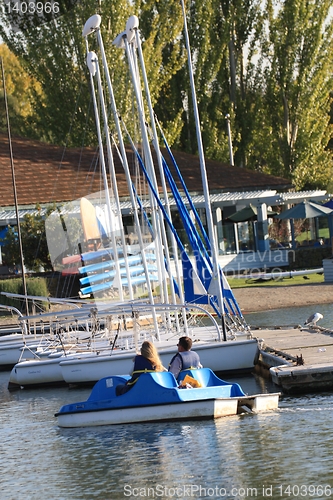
pixel 307 279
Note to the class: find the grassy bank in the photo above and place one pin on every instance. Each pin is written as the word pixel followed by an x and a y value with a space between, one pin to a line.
pixel 310 279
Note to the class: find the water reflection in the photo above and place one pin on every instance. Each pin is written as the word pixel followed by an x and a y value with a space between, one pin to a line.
pixel 237 452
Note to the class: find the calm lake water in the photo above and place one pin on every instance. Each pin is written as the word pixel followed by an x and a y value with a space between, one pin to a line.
pixel 292 316
pixel 282 454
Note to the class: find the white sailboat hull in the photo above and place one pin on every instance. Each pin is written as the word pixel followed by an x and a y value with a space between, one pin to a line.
pixel 10 354
pixel 36 372
pixel 88 368
pixel 230 356
pixel 13 347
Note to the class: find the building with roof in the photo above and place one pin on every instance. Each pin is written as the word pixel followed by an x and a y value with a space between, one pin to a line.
pixel 47 174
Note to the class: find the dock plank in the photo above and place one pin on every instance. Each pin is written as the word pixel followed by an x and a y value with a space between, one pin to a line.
pixel 313 345
pixel 286 339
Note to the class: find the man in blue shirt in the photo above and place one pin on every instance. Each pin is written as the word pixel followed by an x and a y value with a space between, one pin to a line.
pixel 185 358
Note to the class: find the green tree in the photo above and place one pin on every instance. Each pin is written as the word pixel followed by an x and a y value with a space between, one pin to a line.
pixel 220 36
pixel 161 25
pixel 246 24
pixel 55 54
pixel 268 65
pixel 20 89
pixel 295 99
pixel 209 44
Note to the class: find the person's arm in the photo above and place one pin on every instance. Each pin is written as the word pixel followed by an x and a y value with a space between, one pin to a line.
pixel 132 369
pixel 175 366
pixel 199 364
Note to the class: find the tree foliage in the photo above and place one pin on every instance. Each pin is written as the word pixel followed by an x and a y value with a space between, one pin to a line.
pixel 20 89
pixel 266 64
pixel 55 54
pixel 296 86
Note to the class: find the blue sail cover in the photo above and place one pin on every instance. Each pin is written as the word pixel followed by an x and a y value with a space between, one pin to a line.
pixel 187 194
pixel 203 260
pixel 201 278
pixel 167 218
pixel 194 290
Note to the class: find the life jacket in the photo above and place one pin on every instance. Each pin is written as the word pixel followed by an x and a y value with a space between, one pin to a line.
pixel 141 365
pixel 189 359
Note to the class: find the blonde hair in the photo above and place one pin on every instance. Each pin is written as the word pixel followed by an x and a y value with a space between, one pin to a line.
pixel 149 351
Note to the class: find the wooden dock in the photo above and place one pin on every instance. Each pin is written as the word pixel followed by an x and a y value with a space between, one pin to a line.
pixel 298 360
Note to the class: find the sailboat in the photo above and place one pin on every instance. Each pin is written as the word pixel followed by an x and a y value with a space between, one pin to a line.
pixel 113 272
pixel 21 341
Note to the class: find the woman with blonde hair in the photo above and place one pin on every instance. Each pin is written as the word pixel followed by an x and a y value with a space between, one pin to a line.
pixel 146 362
pixel 149 351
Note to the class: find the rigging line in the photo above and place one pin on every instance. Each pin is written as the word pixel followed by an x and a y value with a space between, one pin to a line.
pixel 82 146
pixel 93 168
pixel 67 286
pixel 94 162
pixel 109 113
pixel 204 179
pixel 147 221
pixel 211 300
pixel 192 232
pixel 126 170
pixel 201 227
pixel 103 86
pixel 154 139
pixel 14 184
pixel 149 182
pixel 144 170
pixel 95 72
pixel 193 229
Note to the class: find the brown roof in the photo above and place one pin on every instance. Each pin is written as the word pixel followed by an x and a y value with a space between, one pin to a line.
pixel 45 173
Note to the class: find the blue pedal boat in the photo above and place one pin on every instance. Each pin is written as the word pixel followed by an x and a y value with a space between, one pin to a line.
pixel 157 396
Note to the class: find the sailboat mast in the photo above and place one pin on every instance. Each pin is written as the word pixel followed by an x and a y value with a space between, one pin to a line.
pixel 216 273
pixel 165 193
pixel 14 186
pixel 93 67
pixel 92 25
